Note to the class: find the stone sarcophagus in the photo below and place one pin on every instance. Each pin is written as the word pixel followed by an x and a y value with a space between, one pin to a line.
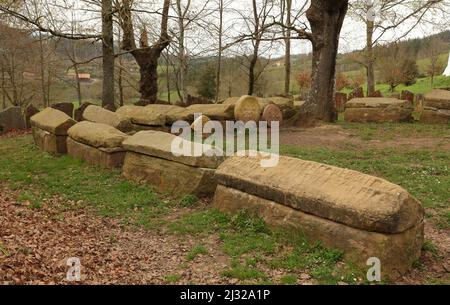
pixel 150 159
pixel 361 215
pixel 50 128
pixel 97 144
pixel 378 110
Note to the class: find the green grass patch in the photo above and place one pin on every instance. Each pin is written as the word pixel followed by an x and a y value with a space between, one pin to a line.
pixel 188 201
pixel 200 249
pixel 243 272
pixel 172 278
pixel 105 191
pixel 289 279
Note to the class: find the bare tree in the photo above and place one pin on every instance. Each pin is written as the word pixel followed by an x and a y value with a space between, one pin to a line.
pixel 384 17
pixel 108 53
pixel 434 49
pixel 145 55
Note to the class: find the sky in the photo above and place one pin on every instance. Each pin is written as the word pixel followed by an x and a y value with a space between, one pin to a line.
pixel 198 39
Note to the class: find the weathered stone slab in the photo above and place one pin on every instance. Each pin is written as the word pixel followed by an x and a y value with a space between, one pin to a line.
pixel 28 112
pixel 397 252
pixel 247 109
pixel 98 114
pixel 143 115
pixel 11 118
pixel 173 113
pixel 49 142
pixel 53 121
pixel 341 195
pixel 435 116
pixel 168 176
pixel 97 135
pixel 67 108
pixel 272 114
pixel 101 157
pixel 216 112
pixel 159 144
pixel 376 102
pixel 437 98
pixel 378 110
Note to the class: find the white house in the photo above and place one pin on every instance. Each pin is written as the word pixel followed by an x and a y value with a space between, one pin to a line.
pixel 447 70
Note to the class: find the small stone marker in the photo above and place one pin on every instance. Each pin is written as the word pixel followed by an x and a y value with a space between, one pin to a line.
pixel 271 114
pixel 11 118
pixel 247 109
pixel 29 111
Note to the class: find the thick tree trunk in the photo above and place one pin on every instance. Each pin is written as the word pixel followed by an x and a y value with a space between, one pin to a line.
pixel 147 60
pixel 251 73
pixel 146 56
pixel 108 53
pixel 370 59
pixel 326 18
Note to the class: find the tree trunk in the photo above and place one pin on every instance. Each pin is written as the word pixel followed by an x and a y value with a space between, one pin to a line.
pixel 108 53
pixel 326 18
pixel 78 85
pixel 147 56
pixel 3 89
pixel 219 60
pixel 370 59
pixel 251 73
pixel 287 58
pixel 45 101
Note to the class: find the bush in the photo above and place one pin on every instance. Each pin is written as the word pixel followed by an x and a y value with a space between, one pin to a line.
pixel 410 71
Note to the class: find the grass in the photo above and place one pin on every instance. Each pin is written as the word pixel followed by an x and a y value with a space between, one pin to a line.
pixel 105 191
pixel 172 278
pixel 252 246
pixel 200 249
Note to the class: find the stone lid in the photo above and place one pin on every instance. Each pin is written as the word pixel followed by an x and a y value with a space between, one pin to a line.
pixel 218 112
pixel 341 195
pixel 159 144
pixel 52 121
pixel 142 115
pixel 97 135
pixel 377 102
pixel 173 113
pixel 437 98
pixel 98 114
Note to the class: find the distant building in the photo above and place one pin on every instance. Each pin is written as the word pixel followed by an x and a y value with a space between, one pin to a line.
pixel 83 77
pixel 447 70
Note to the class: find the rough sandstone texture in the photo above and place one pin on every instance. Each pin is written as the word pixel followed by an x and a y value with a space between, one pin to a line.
pixel 54 121
pixel 97 114
pixel 50 128
pixel 49 142
pixel 158 144
pixel 271 114
pixel 107 158
pixel 167 176
pixel 11 118
pixel 97 135
pixel 216 112
pixel 172 113
pixel 247 109
pixel 150 159
pixel 340 195
pixel 141 115
pixel 436 107
pixel 378 110
pixel 397 252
